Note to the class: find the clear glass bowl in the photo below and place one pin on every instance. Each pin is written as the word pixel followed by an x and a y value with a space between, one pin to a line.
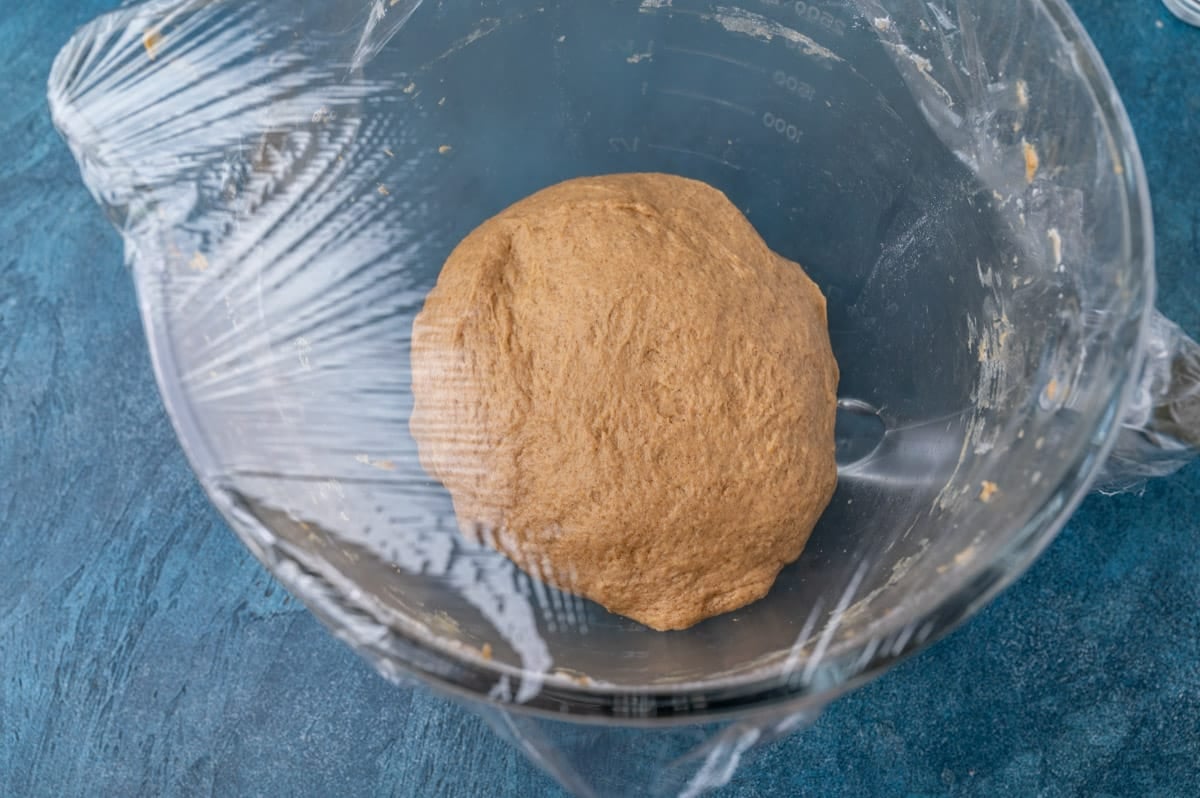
pixel 959 177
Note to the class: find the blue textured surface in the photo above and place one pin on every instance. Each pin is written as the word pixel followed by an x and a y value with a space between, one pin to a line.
pixel 144 652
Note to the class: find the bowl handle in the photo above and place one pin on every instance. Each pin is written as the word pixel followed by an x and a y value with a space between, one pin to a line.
pixel 1161 430
pixel 1187 10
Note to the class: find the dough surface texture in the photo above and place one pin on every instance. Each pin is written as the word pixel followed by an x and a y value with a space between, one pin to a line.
pixel 630 395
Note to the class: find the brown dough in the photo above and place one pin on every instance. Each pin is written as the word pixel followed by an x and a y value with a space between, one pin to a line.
pixel 630 395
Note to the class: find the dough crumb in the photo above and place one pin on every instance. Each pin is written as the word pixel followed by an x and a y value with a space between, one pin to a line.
pixel 1032 162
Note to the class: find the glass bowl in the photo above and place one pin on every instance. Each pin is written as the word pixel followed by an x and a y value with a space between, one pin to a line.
pixel 960 179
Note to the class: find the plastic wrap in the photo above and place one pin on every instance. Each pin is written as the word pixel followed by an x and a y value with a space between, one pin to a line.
pixel 288 178
pixel 1161 430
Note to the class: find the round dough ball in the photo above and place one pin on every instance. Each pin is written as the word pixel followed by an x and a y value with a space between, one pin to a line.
pixel 630 395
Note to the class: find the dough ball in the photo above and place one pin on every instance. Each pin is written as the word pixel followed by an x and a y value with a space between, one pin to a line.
pixel 630 395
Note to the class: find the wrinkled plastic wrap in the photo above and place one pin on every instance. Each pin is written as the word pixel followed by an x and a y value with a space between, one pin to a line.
pixel 1161 430
pixel 958 177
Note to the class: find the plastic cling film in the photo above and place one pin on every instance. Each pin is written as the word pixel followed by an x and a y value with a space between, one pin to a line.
pixel 289 177
pixel 1161 431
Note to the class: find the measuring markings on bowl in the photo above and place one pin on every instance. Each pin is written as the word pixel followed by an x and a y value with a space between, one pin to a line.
pixel 813 13
pixel 783 127
pixel 809 12
pixel 695 95
pixel 793 85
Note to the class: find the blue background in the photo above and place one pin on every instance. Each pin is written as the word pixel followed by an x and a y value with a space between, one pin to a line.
pixel 144 652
